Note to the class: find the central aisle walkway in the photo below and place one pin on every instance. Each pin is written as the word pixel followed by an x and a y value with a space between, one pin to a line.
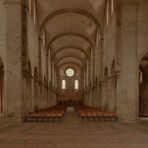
pixel 72 132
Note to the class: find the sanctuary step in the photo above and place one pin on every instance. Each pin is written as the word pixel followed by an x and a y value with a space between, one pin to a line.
pixel 90 113
pixel 54 113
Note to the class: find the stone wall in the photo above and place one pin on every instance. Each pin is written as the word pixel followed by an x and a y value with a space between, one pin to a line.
pixel 142 29
pixel 14 58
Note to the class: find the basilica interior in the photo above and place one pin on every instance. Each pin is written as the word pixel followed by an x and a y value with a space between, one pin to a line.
pixel 73 64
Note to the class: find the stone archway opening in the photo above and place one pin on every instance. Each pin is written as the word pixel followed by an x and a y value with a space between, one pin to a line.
pixel 143 87
pixel 70 85
pixel 36 89
pixel 1 87
pixel 105 91
pixel 113 89
pixel 29 89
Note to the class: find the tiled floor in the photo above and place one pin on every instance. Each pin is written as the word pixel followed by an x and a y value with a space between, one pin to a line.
pixel 72 132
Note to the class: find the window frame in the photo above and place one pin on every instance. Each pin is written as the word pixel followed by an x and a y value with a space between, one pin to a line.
pixel 63 84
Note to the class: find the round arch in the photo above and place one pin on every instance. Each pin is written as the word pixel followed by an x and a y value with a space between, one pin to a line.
pixel 71 10
pixel 87 39
pixel 70 63
pixel 70 47
pixel 70 57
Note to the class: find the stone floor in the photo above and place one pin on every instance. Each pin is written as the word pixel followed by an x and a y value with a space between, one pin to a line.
pixel 72 132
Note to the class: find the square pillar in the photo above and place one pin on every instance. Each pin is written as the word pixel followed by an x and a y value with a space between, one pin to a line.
pixel 14 58
pixel 129 71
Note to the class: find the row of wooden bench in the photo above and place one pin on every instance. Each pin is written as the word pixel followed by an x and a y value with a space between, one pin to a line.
pixel 54 113
pixel 69 102
pixel 90 113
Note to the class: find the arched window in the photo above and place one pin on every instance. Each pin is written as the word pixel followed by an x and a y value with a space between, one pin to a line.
pixel 30 6
pixel 107 13
pixel 70 72
pixel 112 6
pixel 140 76
pixel 32 9
pixel 34 12
pixel 76 84
pixel 44 38
pixel 63 85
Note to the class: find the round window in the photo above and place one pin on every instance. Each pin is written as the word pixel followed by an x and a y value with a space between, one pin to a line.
pixel 70 72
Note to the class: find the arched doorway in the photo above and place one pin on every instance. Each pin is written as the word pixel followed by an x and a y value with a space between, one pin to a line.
pixel 36 88
pixel 95 93
pixel 100 94
pixel 45 92
pixel 29 89
pixel 1 87
pixel 105 91
pixel 143 87
pixel 113 89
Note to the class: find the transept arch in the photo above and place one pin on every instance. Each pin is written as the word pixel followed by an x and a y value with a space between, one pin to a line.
pixel 70 63
pixel 70 47
pixel 71 10
pixel 70 57
pixel 87 39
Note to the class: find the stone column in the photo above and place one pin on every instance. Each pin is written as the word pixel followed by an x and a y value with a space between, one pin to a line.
pixel 128 98
pixel 14 58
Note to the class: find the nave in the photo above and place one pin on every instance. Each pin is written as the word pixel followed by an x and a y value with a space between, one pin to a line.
pixel 56 54
pixel 74 132
pixel 92 52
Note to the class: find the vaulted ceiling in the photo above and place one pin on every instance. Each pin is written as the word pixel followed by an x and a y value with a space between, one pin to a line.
pixel 71 27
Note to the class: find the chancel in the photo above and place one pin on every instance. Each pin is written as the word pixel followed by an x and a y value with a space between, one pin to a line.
pixel 73 73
